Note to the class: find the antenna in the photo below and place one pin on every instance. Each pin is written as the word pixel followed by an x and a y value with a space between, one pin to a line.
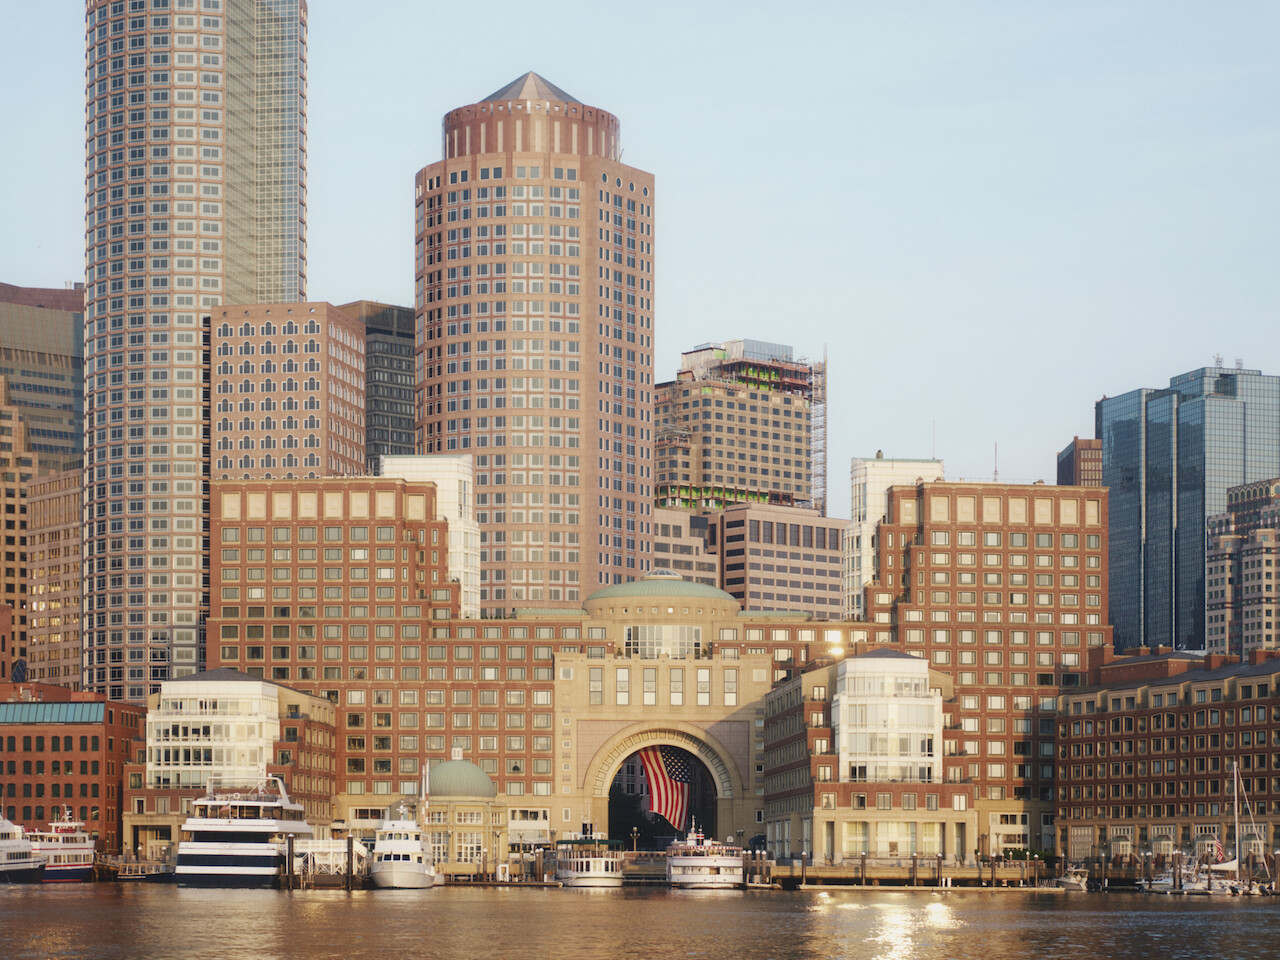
pixel 933 443
pixel 995 476
pixel 1217 359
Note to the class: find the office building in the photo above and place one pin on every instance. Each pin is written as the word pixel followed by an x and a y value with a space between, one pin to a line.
pixel 1172 726
pixel 1168 458
pixel 189 204
pixel 286 392
pixel 1242 605
pixel 388 384
pixel 19 465
pixel 42 358
pixel 737 426
pixel 869 483
pixel 534 304
pixel 1003 588
pixel 778 558
pixel 1080 463
pixel 454 477
pixel 55 533
pixel 680 544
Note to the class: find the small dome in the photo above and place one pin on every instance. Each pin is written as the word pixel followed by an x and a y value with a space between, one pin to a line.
pixel 661 583
pixel 459 778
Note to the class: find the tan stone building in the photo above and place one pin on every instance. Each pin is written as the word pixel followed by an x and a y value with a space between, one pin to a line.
pixel 19 465
pixel 55 527
pixel 680 545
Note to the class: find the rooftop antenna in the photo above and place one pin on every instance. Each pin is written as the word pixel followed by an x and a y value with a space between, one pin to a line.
pixel 1217 359
pixel 1239 363
pixel 933 445
pixel 995 476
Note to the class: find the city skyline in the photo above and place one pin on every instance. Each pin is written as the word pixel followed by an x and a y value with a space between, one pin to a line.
pixel 1081 170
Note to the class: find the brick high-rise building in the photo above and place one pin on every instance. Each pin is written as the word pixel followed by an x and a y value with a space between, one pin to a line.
pixel 1002 587
pixel 286 392
pixel 55 532
pixel 736 426
pixel 195 196
pixel 534 301
pixel 1080 463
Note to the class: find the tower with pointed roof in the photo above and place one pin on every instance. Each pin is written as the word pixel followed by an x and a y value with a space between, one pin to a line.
pixel 534 343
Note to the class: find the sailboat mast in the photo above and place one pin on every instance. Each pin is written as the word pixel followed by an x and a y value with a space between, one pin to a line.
pixel 1235 789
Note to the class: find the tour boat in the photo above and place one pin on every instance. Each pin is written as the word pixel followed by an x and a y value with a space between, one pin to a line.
pixel 589 862
pixel 401 856
pixel 18 862
pixel 699 863
pixel 67 847
pixel 238 836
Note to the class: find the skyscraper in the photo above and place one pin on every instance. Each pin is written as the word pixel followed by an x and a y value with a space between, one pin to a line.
pixel 195 196
pixel 388 386
pixel 534 339
pixel 1168 456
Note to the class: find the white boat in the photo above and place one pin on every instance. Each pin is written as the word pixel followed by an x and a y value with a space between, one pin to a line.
pixel 401 856
pixel 589 862
pixel 237 836
pixel 1077 878
pixel 67 847
pixel 18 862
pixel 697 863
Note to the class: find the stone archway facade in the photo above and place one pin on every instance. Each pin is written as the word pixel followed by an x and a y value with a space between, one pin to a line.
pixel 726 779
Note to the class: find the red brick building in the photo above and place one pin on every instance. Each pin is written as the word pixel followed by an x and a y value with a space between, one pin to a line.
pixel 63 747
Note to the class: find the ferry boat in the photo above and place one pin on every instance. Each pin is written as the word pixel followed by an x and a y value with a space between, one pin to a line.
pixel 697 863
pixel 18 862
pixel 67 847
pixel 237 836
pixel 589 862
pixel 401 857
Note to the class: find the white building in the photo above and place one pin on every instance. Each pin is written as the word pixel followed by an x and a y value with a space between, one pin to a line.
pixel 870 481
pixel 454 478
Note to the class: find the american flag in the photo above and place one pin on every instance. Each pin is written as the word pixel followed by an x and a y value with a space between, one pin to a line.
pixel 667 772
pixel 1218 853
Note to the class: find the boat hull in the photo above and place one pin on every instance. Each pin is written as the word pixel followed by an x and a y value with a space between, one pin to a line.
pixel 576 880
pixel 202 864
pixel 705 872
pixel 28 873
pixel 401 876
pixel 72 873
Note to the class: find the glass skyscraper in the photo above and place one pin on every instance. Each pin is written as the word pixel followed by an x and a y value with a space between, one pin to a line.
pixel 1169 456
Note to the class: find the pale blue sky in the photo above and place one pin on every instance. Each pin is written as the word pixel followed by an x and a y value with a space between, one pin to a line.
pixel 989 213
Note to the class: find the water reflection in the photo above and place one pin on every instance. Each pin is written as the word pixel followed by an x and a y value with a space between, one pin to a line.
pixel 148 922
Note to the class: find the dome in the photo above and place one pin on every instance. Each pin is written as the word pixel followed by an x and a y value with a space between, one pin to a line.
pixel 459 778
pixel 661 583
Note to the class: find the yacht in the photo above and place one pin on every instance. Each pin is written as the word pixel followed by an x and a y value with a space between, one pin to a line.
pixel 18 862
pixel 237 836
pixel 67 847
pixel 699 863
pixel 589 862
pixel 401 857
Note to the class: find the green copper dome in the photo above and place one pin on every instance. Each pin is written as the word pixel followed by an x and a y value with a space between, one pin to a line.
pixel 661 583
pixel 459 778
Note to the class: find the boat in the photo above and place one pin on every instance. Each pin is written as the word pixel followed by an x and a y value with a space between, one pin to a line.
pixel 589 862
pixel 19 863
pixel 1076 878
pixel 697 863
pixel 401 856
pixel 238 836
pixel 67 847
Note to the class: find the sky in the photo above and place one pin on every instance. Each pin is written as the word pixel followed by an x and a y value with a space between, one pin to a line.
pixel 987 215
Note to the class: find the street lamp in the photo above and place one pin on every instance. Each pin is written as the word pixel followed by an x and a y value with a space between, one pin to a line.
pixel 635 834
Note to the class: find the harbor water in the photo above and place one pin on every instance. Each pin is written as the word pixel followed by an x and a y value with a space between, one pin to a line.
pixel 149 922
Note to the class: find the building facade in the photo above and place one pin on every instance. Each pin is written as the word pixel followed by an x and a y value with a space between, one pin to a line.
pixel 869 483
pixel 779 558
pixel 20 465
pixel 388 385
pixel 1001 587
pixel 680 544
pixel 42 359
pixel 1168 458
pixel 1080 463
pixel 736 426
pixel 1242 608
pixel 187 206
pixel 1155 751
pixel 454 477
pixel 54 540
pixel 286 392
pixel 534 339
pixel 62 748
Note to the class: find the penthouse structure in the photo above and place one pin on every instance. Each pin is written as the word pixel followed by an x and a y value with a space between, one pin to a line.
pixel 1080 463
pixel 1001 587
pixel 534 340
pixel 743 422
pixel 189 204
pixel 287 392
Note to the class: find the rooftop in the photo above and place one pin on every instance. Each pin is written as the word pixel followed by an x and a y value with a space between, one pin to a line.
pixel 531 86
